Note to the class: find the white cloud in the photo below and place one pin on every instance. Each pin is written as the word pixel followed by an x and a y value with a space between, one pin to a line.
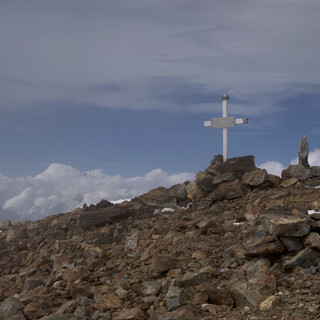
pixel 272 167
pixel 276 167
pixel 313 158
pixel 61 188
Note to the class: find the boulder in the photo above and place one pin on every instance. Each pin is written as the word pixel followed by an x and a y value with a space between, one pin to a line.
pixel 204 181
pixel 99 217
pixel 255 178
pixel 264 247
pixel 285 225
pixel 224 177
pixel 274 180
pixel 296 171
pixel 10 307
pixel 175 297
pixel 238 166
pixel 305 258
pixel 253 283
pixel 156 198
pixel 195 193
pixel 179 191
pixel 292 243
pixel 161 263
pixel 312 240
pixel 5 224
pixel 315 171
pixel 228 190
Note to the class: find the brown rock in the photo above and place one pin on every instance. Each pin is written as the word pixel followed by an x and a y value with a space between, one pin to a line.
pixel 274 180
pixel 315 171
pixel 195 193
pixel 99 217
pixel 161 263
pixel 210 227
pixel 219 297
pixel 289 183
pixel 264 247
pixel 296 171
pixel 159 197
pixel 238 165
pixel 255 178
pixel 305 258
pixel 5 224
pixel 107 301
pixel 204 181
pixel 312 240
pixel 253 284
pixel 292 244
pixel 130 314
pixel 147 288
pixel 270 303
pixel 179 191
pixel 10 307
pixel 224 177
pixel 228 190
pixel 285 225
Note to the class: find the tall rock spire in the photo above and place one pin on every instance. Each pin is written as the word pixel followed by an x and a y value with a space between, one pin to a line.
pixel 304 152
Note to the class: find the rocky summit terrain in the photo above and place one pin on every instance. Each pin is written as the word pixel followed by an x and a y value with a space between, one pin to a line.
pixel 236 243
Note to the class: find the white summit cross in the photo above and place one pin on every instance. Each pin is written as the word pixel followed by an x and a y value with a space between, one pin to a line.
pixel 225 122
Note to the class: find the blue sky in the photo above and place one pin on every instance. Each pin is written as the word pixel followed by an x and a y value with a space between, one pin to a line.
pixel 123 87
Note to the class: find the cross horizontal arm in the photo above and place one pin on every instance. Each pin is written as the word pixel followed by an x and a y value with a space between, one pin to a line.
pixel 225 122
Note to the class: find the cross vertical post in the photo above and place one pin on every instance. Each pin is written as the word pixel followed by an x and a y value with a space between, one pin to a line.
pixel 225 122
pixel 225 99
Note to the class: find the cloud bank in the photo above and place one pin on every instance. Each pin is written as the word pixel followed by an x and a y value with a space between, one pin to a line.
pixel 61 188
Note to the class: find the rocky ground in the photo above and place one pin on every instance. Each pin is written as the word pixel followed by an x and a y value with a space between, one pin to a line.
pixel 236 243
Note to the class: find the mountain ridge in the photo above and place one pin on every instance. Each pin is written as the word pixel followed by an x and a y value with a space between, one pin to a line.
pixel 234 243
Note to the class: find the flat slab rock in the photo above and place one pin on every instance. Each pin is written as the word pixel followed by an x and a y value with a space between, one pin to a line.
pixel 285 225
pixel 304 258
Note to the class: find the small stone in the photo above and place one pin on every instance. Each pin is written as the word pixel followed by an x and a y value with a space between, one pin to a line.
pixel 106 301
pixel 10 307
pixel 289 183
pixel 312 240
pixel 130 314
pixel 269 304
pixel 162 263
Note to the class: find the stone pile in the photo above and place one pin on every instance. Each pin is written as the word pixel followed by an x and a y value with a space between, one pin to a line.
pixel 236 243
pixel 302 170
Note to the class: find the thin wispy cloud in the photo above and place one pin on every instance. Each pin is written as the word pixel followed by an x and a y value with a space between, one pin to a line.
pixel 112 54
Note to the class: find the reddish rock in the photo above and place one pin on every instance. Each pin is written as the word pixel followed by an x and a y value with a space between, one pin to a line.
pixel 130 314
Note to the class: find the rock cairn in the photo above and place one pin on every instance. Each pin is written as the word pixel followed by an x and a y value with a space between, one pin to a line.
pixel 302 170
pixel 236 243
